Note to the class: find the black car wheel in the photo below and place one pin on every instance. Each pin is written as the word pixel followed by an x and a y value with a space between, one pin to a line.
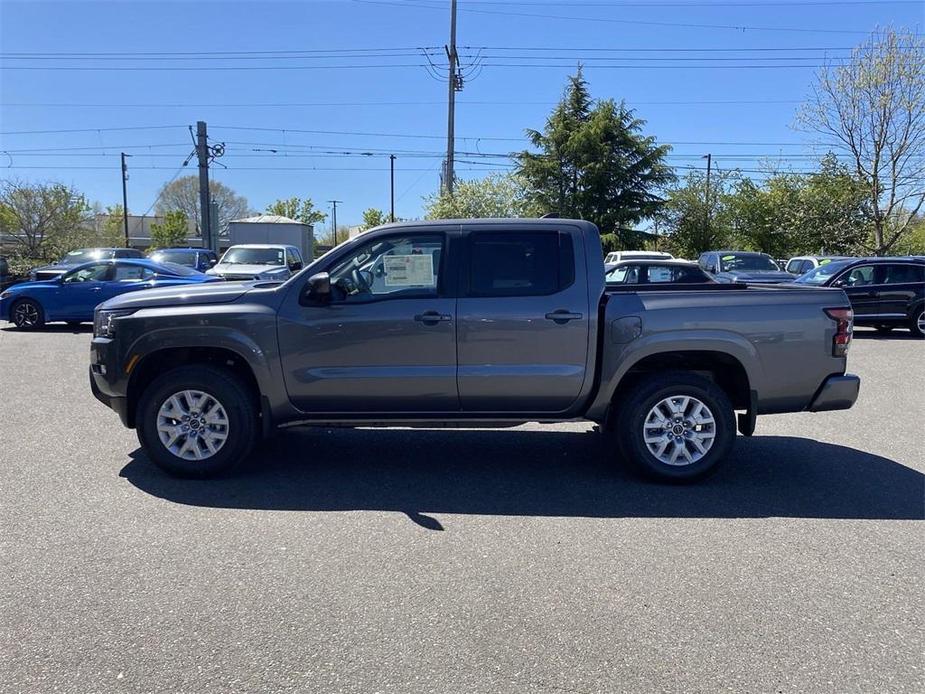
pixel 917 324
pixel 197 421
pixel 676 427
pixel 27 314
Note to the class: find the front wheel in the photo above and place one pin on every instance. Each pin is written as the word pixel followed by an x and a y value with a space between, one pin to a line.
pixel 197 421
pixel 917 324
pixel 676 427
pixel 27 314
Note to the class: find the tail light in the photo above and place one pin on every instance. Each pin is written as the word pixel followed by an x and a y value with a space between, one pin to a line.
pixel 844 326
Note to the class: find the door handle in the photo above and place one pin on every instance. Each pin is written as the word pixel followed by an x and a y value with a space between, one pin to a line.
pixel 562 316
pixel 432 317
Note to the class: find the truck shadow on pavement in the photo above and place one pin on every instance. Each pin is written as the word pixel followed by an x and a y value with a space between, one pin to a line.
pixel 539 473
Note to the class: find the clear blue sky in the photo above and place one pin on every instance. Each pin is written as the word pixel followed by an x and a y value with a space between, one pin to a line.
pixel 504 93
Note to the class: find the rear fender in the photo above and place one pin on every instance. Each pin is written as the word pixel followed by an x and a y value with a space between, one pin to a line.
pixel 621 359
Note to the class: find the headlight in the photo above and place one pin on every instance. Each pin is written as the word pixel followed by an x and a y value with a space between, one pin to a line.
pixel 103 322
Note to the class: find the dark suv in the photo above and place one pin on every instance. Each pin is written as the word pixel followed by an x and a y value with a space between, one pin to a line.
pixel 885 293
pixel 197 258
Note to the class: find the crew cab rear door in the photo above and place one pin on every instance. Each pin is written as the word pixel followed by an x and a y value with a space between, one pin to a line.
pixel 523 320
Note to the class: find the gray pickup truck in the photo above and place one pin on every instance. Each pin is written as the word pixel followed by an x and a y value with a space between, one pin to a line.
pixel 468 323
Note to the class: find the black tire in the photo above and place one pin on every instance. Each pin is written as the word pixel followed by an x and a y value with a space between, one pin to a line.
pixel 917 322
pixel 27 314
pixel 224 387
pixel 635 409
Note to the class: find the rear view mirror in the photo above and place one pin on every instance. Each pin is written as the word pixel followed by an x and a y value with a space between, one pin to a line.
pixel 317 290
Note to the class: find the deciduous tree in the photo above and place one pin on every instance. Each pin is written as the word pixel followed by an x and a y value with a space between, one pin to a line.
pixel 171 232
pixel 183 195
pixel 496 195
pixel 872 108
pixel 300 209
pixel 45 219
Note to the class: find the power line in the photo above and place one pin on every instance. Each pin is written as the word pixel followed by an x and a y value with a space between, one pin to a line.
pixel 155 54
pixel 173 68
pixel 91 130
pixel 317 104
pixel 610 20
pixel 656 3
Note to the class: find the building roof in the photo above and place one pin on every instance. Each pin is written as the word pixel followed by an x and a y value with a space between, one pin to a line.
pixel 267 219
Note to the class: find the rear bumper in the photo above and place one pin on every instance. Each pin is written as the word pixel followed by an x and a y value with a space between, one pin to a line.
pixel 836 393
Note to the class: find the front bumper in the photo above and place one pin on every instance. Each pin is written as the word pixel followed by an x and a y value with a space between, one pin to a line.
pixel 108 382
pixel 836 393
pixel 116 403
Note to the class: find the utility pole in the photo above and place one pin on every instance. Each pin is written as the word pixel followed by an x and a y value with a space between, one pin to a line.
pixel 392 187
pixel 202 152
pixel 125 197
pixel 709 158
pixel 455 82
pixel 334 218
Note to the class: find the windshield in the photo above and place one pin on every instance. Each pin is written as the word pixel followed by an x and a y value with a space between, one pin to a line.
pixel 747 263
pixel 175 256
pixel 821 274
pixel 253 256
pixel 83 255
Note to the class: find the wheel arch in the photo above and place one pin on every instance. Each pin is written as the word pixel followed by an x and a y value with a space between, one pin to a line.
pixel 726 370
pixel 159 361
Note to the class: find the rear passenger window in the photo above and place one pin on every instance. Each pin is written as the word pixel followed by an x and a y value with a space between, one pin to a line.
pixel 795 266
pixel 904 274
pixel 520 263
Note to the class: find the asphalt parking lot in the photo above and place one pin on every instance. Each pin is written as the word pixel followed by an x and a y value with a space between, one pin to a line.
pixel 460 561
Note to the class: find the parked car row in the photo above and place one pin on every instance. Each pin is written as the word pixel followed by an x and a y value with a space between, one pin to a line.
pixel 885 293
pixel 73 294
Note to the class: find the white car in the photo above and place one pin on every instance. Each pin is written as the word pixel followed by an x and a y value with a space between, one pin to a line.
pixel 258 261
pixel 618 256
pixel 802 264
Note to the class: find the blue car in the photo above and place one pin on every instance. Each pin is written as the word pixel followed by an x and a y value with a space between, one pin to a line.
pixel 73 296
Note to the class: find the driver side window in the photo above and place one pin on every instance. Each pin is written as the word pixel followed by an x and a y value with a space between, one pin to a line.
pixel 391 267
pixel 93 273
pixel 859 276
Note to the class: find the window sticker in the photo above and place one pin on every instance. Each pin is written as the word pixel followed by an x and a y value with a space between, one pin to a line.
pixel 409 270
pixel 825 261
pixel 729 257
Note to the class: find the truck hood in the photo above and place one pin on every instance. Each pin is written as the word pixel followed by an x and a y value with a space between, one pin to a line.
pixel 237 269
pixel 769 277
pixel 186 295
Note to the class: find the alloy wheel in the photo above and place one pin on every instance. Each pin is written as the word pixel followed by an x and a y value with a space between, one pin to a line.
pixel 25 315
pixel 192 424
pixel 679 430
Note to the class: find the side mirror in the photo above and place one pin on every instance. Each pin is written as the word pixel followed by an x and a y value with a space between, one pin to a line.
pixel 213 262
pixel 296 266
pixel 839 283
pixel 317 290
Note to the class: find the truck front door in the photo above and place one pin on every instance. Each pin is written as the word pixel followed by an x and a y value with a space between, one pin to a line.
pixel 523 321
pixel 385 341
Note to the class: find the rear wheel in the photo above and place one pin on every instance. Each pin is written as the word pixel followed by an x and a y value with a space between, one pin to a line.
pixel 917 324
pixel 27 314
pixel 197 421
pixel 676 427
